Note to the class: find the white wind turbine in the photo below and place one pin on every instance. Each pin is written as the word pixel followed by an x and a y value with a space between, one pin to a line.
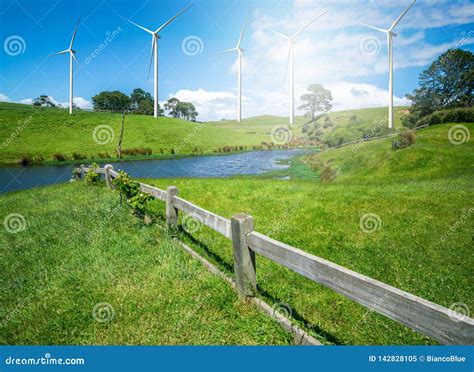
pixel 240 54
pixel 71 56
pixel 390 35
pixel 154 52
pixel 291 62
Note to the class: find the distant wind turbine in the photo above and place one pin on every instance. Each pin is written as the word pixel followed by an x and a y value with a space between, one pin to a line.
pixel 291 62
pixel 390 35
pixel 71 56
pixel 241 54
pixel 154 53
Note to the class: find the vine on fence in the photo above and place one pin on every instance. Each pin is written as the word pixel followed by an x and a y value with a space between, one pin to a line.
pixel 130 189
pixel 92 174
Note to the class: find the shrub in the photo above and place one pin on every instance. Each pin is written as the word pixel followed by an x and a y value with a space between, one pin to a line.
pixel 78 156
pixel 91 175
pixel 103 155
pixel 38 159
pixel 458 115
pixel 131 190
pixel 59 157
pixel 135 151
pixel 405 139
pixel 25 160
pixel 328 174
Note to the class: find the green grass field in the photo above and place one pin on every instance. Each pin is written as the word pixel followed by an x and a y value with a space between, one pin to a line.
pixel 31 131
pixel 81 248
pixel 422 196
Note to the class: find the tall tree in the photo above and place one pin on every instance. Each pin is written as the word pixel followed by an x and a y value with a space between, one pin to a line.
pixel 111 101
pixel 172 105
pixel 316 102
pixel 447 83
pixel 43 101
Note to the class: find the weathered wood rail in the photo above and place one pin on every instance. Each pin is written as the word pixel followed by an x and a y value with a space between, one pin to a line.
pixel 428 318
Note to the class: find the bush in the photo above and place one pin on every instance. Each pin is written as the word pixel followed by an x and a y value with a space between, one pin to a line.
pixel 135 151
pixel 78 156
pixel 91 175
pixel 25 160
pixel 458 115
pixel 38 159
pixel 59 157
pixel 405 139
pixel 103 155
pixel 131 190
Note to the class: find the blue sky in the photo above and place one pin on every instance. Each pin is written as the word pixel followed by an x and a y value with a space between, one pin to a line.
pixel 336 51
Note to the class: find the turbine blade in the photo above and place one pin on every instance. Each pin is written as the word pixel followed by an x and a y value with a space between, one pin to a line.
pixel 136 24
pixel 287 62
pixel 153 41
pixel 172 19
pixel 242 32
pixel 375 28
pixel 279 34
pixel 247 61
pixel 74 34
pixel 308 24
pixel 226 51
pixel 401 16
pixel 73 56
pixel 58 53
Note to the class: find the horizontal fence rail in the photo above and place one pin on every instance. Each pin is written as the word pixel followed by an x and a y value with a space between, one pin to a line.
pixel 428 318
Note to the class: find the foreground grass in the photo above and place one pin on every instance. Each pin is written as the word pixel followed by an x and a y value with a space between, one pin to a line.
pixel 80 248
pixel 422 200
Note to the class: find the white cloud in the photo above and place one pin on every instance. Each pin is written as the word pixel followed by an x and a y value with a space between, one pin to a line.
pixel 79 101
pixel 4 98
pixel 27 101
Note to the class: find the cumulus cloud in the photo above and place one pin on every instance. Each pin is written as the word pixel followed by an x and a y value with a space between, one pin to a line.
pixel 79 101
pixel 4 98
pixel 27 101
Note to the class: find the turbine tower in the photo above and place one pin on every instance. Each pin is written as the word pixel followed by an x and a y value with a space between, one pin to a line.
pixel 154 53
pixel 240 55
pixel 390 34
pixel 291 62
pixel 71 56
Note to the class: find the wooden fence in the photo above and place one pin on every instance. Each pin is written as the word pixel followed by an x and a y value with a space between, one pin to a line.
pixel 428 318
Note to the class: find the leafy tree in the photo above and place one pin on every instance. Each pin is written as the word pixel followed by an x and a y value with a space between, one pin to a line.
pixel 316 102
pixel 447 83
pixel 141 102
pixel 172 106
pixel 327 122
pixel 111 101
pixel 43 101
pixel 183 110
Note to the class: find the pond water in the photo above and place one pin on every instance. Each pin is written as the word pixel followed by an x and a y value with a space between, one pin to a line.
pixel 253 162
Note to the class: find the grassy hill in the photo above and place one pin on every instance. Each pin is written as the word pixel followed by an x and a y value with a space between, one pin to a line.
pixel 80 250
pixel 42 132
pixel 422 198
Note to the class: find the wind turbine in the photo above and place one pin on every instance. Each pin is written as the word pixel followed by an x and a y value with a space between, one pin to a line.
pixel 240 54
pixel 154 52
pixel 390 34
pixel 291 62
pixel 71 56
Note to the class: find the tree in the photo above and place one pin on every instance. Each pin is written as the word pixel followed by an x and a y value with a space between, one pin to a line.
pixel 111 101
pixel 141 102
pixel 316 102
pixel 43 101
pixel 447 83
pixel 172 106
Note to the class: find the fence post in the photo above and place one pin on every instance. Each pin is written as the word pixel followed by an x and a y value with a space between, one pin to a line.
pixel 108 179
pixel 171 211
pixel 244 257
pixel 82 171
